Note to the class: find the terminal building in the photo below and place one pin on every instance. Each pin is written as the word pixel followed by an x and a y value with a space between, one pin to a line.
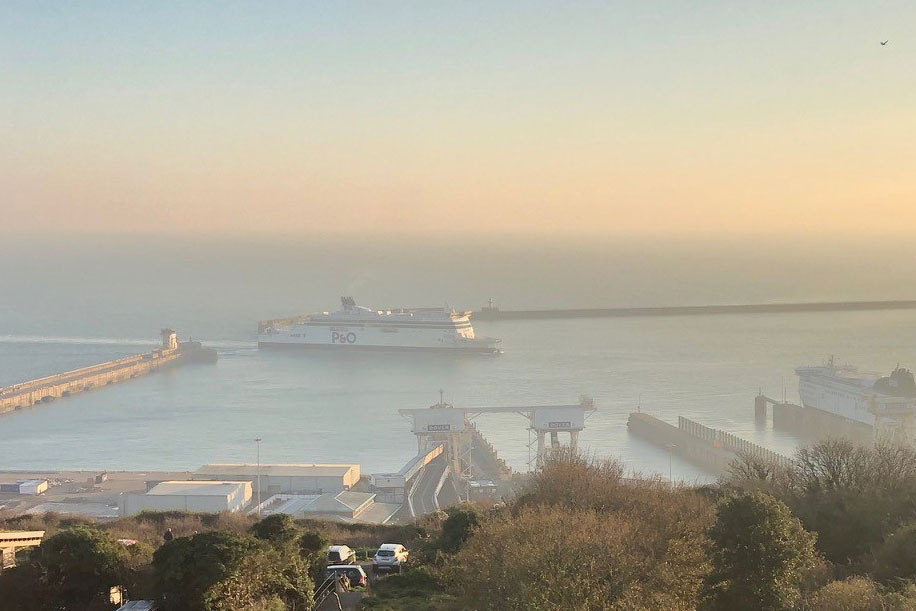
pixel 187 495
pixel 285 478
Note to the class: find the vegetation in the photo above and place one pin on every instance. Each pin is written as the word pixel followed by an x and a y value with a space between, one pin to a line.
pixel 835 531
pixel 760 554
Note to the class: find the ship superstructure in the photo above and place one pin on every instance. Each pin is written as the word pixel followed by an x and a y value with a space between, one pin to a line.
pixel 862 396
pixel 354 326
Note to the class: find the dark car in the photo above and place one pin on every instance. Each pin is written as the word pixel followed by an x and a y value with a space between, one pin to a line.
pixel 353 572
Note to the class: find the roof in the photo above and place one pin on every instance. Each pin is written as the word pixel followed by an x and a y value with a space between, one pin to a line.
pixel 196 488
pixel 342 502
pixel 278 470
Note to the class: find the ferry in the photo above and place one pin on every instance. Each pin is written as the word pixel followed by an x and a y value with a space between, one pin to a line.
pixel 845 391
pixel 357 327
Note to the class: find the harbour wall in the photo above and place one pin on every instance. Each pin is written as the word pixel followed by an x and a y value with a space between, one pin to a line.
pixel 709 448
pixel 760 308
pixel 43 390
pixel 810 423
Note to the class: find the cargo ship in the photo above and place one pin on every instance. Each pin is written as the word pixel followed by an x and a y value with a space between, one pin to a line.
pixel 357 327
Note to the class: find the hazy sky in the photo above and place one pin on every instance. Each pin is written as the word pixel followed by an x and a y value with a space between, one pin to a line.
pixel 437 117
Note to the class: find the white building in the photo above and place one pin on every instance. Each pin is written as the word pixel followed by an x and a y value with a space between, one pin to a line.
pixel 286 478
pixel 184 495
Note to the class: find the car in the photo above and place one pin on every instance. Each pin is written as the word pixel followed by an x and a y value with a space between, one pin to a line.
pixel 353 572
pixel 390 557
pixel 341 554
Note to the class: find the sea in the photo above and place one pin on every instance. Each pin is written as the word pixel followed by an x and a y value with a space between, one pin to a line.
pixel 70 301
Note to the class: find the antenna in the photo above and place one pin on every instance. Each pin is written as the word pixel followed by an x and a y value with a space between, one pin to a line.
pixel 441 397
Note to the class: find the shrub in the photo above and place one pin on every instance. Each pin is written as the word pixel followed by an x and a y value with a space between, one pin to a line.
pixel 553 558
pixel 854 594
pixel 760 555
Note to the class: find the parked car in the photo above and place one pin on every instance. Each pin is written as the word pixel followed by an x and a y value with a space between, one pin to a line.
pixel 353 572
pixel 341 554
pixel 390 557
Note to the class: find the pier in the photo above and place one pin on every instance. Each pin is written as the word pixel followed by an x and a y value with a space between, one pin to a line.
pixel 712 449
pixel 491 312
pixel 47 389
pixel 811 424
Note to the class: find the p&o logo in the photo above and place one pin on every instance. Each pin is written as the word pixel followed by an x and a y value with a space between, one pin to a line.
pixel 338 337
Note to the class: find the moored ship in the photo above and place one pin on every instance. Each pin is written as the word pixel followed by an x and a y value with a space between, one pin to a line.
pixel 357 327
pixel 844 391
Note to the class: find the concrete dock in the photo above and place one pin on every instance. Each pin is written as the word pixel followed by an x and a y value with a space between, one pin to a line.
pixel 711 449
pixel 68 383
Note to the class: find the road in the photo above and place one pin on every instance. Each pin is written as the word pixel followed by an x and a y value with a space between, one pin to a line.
pixel 424 489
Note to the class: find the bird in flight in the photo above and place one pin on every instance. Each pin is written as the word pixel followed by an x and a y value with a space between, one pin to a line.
pixel 885 42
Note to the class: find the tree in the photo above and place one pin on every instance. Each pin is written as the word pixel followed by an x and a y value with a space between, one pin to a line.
pixel 461 522
pixel 313 548
pixel 278 529
pixel 760 553
pixel 221 571
pixel 854 594
pixel 896 557
pixel 555 558
pixel 80 562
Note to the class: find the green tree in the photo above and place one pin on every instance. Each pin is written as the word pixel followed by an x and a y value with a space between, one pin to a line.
pixel 760 553
pixel 555 558
pixel 278 529
pixel 313 548
pixel 79 563
pixel 896 557
pixel 461 522
pixel 854 594
pixel 219 571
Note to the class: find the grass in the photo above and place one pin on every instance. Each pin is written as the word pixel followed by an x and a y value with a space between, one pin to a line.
pixel 417 589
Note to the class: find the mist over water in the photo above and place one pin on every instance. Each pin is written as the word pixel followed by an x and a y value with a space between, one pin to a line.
pixel 69 302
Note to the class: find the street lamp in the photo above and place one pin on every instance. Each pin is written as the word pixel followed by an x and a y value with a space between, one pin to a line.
pixel 258 441
pixel 670 447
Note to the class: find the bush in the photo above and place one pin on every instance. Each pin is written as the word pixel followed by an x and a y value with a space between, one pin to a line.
pixel 553 558
pixel 760 555
pixel 896 557
pixel 854 594
pixel 461 522
pixel 224 571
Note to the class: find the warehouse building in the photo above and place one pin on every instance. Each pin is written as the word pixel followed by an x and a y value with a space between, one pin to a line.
pixel 286 479
pixel 185 495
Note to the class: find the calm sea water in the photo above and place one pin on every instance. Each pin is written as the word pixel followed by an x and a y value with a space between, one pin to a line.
pixel 343 407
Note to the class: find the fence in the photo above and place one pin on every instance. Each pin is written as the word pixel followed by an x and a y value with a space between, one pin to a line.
pixel 732 443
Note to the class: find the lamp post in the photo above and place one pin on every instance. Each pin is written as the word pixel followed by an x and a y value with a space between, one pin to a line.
pixel 670 447
pixel 258 441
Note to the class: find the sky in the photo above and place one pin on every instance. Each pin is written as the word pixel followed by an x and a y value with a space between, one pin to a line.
pixel 435 118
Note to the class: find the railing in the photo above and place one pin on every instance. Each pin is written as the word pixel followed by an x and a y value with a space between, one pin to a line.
pixel 328 587
pixel 727 441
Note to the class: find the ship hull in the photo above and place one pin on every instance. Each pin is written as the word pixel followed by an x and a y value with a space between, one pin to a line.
pixel 272 345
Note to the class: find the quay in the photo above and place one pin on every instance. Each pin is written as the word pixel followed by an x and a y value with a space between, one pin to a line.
pixel 47 389
pixel 490 312
pixel 711 449
pixel 812 424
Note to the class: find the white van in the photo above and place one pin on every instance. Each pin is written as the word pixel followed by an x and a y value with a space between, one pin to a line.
pixel 390 557
pixel 341 554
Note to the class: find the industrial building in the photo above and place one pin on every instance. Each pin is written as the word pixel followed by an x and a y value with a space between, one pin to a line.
pixel 26 486
pixel 285 479
pixel 345 506
pixel 185 495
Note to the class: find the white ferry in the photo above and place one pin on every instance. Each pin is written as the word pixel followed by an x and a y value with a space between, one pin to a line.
pixel 356 327
pixel 845 391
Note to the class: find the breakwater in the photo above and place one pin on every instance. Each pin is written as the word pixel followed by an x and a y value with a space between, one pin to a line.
pixel 712 449
pixel 494 313
pixel 812 424
pixel 43 390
